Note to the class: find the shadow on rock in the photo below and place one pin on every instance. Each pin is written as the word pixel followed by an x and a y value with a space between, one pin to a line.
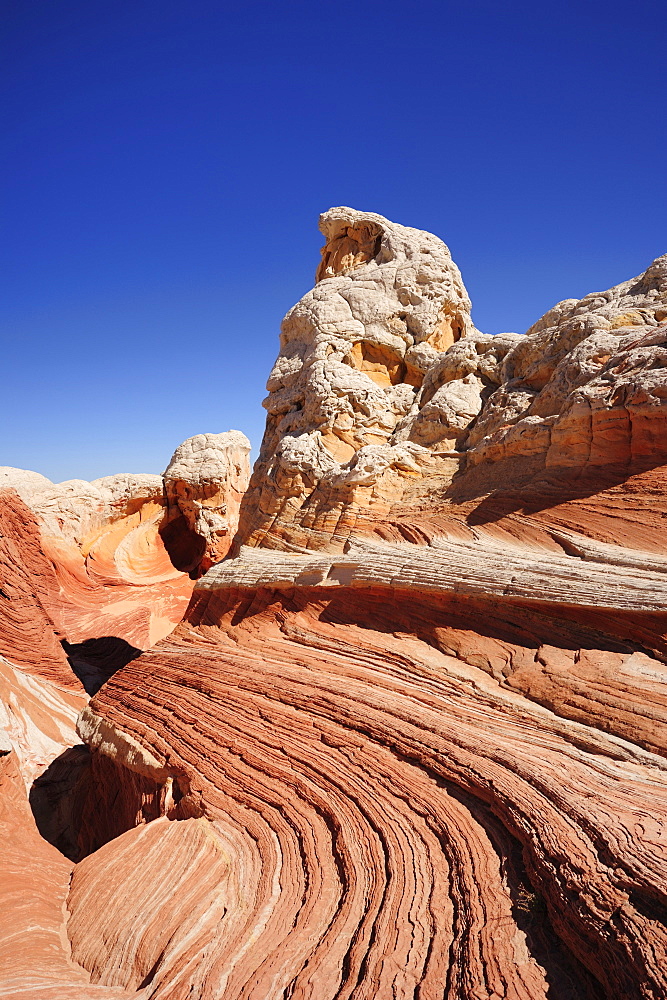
pixel 57 797
pixel 184 546
pixel 96 660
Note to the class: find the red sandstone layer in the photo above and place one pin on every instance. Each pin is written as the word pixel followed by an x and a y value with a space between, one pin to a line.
pixel 412 743
pixel 428 826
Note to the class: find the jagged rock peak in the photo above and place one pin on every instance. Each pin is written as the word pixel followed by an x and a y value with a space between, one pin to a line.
pixel 412 268
pixel 388 303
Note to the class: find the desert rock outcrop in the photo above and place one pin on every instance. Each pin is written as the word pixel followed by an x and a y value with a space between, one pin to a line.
pixel 409 739
pixel 86 582
pixel 354 354
pixel 113 574
pixel 204 485
pixel 372 407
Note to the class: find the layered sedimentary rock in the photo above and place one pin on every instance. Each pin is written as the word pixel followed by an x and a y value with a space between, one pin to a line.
pixel 114 554
pixel 35 963
pixel 113 573
pixel 404 823
pixel 420 708
pixel 409 739
pixel 86 582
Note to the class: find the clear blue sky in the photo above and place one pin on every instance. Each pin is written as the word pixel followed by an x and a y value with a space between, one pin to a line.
pixel 164 164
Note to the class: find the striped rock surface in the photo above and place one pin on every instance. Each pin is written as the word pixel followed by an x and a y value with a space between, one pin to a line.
pixel 420 707
pixel 409 739
pixel 87 580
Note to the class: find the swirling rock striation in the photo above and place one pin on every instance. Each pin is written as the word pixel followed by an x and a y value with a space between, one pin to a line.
pixel 409 739
pixel 86 583
pixel 415 721
pixel 117 546
pixel 34 881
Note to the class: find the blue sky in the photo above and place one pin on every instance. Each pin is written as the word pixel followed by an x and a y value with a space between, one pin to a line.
pixel 164 164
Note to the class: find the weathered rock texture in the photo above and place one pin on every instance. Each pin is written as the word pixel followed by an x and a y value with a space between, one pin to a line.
pixel 409 739
pixel 347 386
pixel 204 485
pixel 405 823
pixel 113 555
pixel 384 392
pixel 110 573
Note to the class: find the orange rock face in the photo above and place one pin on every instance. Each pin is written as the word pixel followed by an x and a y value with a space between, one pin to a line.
pixel 426 824
pixel 86 583
pixel 409 739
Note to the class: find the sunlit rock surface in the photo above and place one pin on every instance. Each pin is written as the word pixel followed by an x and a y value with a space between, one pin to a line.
pixel 87 582
pixel 113 574
pixel 204 484
pixel 372 408
pixel 409 739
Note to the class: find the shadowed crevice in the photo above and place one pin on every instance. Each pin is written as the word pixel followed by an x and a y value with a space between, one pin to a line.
pixel 184 546
pixel 567 977
pixel 96 660
pixel 57 797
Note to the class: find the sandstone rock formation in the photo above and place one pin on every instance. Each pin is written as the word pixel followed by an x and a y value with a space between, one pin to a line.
pixel 369 397
pixel 117 545
pixel 113 575
pixel 409 739
pixel 204 485
pixel 86 583
pixel 34 881
pixel 346 385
